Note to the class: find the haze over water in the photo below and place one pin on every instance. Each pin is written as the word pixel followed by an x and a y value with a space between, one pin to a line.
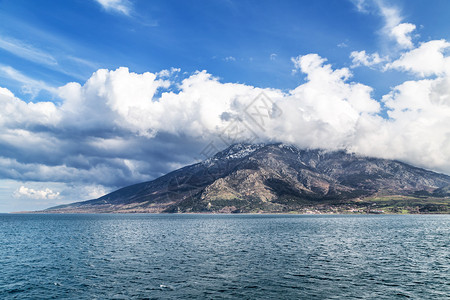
pixel 224 256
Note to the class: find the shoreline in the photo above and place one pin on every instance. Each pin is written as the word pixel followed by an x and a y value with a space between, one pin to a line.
pixel 215 213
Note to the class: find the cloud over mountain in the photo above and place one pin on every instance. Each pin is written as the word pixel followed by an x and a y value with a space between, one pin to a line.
pixel 121 127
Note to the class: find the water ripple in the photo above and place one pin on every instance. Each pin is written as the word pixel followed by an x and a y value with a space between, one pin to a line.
pixel 224 257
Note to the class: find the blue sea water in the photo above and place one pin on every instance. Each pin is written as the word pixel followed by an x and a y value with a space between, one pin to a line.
pixel 123 256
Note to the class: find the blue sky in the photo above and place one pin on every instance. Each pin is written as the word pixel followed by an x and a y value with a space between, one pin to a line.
pixel 103 93
pixel 249 42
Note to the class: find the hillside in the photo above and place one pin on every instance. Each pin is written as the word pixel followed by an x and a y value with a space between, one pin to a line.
pixel 250 178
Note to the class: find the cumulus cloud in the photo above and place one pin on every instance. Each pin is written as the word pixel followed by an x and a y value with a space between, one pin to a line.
pixel 121 127
pixel 324 111
pixel 417 130
pixel 425 60
pixel 35 194
pixel 115 119
pixel 124 98
pixel 17 114
pixel 402 34
pixel 361 58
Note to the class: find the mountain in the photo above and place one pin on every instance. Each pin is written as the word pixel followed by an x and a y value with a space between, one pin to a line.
pixel 253 178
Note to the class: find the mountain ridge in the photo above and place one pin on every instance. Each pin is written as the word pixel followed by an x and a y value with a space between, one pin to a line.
pixel 279 178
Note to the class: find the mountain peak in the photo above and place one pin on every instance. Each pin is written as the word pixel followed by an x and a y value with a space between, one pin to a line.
pixel 278 178
pixel 239 150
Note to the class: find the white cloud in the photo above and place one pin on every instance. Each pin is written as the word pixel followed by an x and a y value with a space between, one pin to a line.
pixel 125 99
pixel 307 63
pixel 106 130
pixel 6 93
pixel 29 85
pixel 168 73
pixel 273 56
pixel 121 127
pixel 417 130
pixel 394 29
pixel 17 114
pixel 35 194
pixel 120 6
pixel 428 59
pixel 402 34
pixel 360 58
pixel 324 111
pixel 390 14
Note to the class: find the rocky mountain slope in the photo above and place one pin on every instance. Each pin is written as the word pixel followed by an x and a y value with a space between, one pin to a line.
pixel 280 178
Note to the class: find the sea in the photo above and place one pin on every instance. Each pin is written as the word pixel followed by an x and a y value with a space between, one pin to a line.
pixel 192 256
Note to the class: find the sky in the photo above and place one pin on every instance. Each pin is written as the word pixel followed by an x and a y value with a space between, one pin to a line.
pixel 99 94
